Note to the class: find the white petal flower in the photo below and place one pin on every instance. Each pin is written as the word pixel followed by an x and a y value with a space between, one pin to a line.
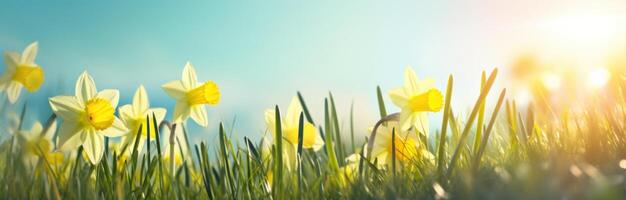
pixel 191 96
pixel 88 117
pixel 139 114
pixel 21 72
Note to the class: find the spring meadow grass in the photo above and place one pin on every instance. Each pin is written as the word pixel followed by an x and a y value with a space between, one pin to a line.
pixel 494 150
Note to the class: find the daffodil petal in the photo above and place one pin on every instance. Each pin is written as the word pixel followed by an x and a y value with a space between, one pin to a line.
pixel 93 146
pixel 410 80
pixel 67 107
pixel 189 79
pixel 13 91
pixel 270 120
pixel 11 59
pixel 293 112
pixel 116 130
pixel 140 101
pixel 198 114
pixel 175 89
pixel 112 96
pixel 421 123
pixel 159 114
pixel 51 130
pixel 126 113
pixel 30 53
pixel 181 111
pixel 289 156
pixel 398 97
pixel 406 120
pixel 425 85
pixel 70 136
pixel 5 80
pixel 85 87
pixel 37 128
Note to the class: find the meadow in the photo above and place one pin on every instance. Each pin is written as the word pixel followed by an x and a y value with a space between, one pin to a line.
pixel 494 150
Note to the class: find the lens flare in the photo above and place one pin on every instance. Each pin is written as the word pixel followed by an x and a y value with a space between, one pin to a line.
pixel 598 77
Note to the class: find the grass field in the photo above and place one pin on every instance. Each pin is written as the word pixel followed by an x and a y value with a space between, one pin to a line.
pixel 500 151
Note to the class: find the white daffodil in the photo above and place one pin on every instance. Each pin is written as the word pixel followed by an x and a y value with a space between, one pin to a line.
pixel 191 96
pixel 87 118
pixel 416 99
pixel 290 123
pixel 21 71
pixel 135 115
pixel 37 144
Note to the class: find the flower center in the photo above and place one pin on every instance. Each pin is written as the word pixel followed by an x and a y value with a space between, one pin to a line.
pixel 207 93
pixel 100 113
pixel 405 149
pixel 30 77
pixel 431 101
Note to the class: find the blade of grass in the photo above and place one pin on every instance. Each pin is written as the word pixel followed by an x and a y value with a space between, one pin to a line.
pixel 330 150
pixel 299 158
pixel 335 124
pixel 278 162
pixel 444 127
pixel 481 117
pixel 381 103
pixel 469 123
pixel 483 144
pixel 305 109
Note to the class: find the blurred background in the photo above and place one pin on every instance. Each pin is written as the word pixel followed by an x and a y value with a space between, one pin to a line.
pixel 261 54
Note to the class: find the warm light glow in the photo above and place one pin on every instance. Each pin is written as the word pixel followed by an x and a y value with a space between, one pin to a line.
pixel 551 81
pixel 598 77
pixel 584 28
pixel 523 97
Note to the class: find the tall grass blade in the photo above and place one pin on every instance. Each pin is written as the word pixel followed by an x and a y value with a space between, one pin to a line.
pixel 444 127
pixel 483 144
pixel 470 121
pixel 305 109
pixel 381 102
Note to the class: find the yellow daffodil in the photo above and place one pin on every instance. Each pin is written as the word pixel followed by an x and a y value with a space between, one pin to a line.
pixel 181 148
pixel 37 144
pixel 348 172
pixel 191 96
pixel 134 115
pixel 87 118
pixel 407 145
pixel 21 71
pixel 289 123
pixel 416 99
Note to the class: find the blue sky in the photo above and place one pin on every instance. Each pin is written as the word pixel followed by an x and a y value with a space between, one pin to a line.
pixel 261 53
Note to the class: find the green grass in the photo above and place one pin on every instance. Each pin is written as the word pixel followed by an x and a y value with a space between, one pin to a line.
pixel 492 153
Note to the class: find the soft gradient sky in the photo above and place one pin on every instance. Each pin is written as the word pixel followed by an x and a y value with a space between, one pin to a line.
pixel 260 53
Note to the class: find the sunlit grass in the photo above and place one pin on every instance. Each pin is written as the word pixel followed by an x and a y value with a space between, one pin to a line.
pixel 495 150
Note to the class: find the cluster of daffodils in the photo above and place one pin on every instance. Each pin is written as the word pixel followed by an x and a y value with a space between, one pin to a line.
pixel 90 115
pixel 401 137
